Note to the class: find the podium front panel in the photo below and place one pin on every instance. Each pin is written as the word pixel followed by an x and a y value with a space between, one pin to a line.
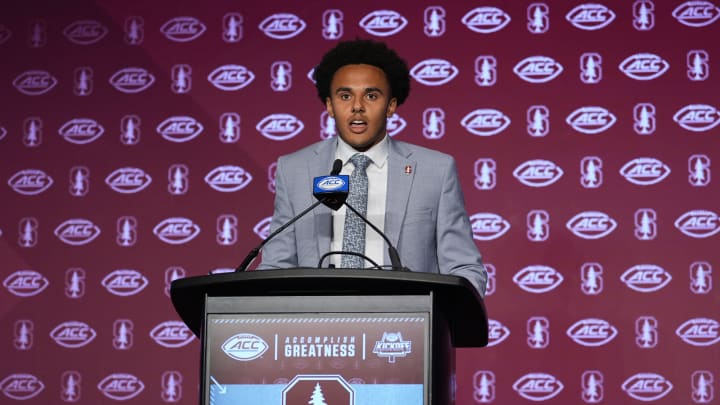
pixel 317 350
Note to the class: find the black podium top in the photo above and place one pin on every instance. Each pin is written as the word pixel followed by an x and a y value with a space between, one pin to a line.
pixel 457 299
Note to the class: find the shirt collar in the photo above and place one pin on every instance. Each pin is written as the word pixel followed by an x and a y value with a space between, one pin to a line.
pixel 378 152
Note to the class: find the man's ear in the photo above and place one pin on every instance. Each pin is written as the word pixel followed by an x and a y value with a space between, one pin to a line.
pixel 392 105
pixel 328 107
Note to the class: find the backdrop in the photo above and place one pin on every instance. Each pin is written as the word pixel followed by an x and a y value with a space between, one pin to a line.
pixel 138 142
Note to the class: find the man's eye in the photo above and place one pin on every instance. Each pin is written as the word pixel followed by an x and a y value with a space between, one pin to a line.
pixel 344 97
pixel 372 96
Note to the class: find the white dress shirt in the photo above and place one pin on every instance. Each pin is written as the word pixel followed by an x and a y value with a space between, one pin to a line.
pixel 377 191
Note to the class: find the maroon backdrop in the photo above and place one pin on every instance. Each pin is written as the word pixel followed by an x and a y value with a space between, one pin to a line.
pixel 137 142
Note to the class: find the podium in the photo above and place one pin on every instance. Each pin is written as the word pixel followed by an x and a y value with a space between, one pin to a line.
pixel 330 336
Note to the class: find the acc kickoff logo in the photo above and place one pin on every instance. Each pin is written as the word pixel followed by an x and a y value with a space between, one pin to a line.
pixel 128 180
pixel 245 347
pixel 176 230
pixel 434 72
pixel 383 23
pixel 392 346
pixel 592 332
pixel 183 29
pixel 30 181
pixel 699 332
pixel 696 13
pixel 646 278
pixel 85 32
pixel 538 386
pixel 538 173
pixel 179 129
pixel 77 231
pixel 644 66
pixel 485 122
pixel 645 171
pixel 591 225
pixel 25 283
pixel 132 80
pixel 21 386
pixel 485 20
pixel 697 117
pixel 171 334
pixel 698 224
pixel 73 334
pixel 647 386
pixel 124 283
pixel 231 77
pixel 538 69
pixel 121 386
pixel 280 127
pixel 590 16
pixel 282 26
pixel 538 279
pixel 591 119
pixel 488 226
pixel 34 82
pixel 228 178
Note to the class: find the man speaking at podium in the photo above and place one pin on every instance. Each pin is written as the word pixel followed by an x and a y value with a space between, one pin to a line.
pixel 410 193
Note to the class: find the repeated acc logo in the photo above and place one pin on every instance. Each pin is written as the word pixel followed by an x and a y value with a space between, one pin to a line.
pixel 176 230
pixel 128 180
pixel 81 131
pixel 132 80
pixel 592 332
pixel 696 13
pixel 25 283
pixel 488 226
pixel 282 26
pixel 698 224
pixel 590 16
pixel 171 334
pixel 697 117
pixel 646 278
pixel 280 127
pixel 538 173
pixel 231 77
pixel 644 66
pixel 179 129
pixel 647 386
pixel 244 347
pixel 228 178
pixel 124 282
pixel 183 29
pixel 645 171
pixel 262 228
pixel 383 23
pixel 591 119
pixel 85 32
pixel 73 334
pixel 34 82
pixel 30 181
pixel 395 124
pixel 497 332
pixel 121 386
pixel 434 72
pixel 21 386
pixel 538 386
pixel 538 278
pixel 699 332
pixel 591 225
pixel 485 20
pixel 77 231
pixel 485 122
pixel 538 69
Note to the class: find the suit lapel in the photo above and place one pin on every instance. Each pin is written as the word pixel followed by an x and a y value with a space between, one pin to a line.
pixel 325 154
pixel 401 173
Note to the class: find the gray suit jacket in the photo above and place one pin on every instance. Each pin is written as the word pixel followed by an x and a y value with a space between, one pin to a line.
pixel 425 212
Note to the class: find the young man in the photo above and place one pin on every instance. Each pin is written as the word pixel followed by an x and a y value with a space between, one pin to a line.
pixel 413 193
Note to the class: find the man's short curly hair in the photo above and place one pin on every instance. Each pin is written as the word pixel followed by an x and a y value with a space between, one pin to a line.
pixel 363 52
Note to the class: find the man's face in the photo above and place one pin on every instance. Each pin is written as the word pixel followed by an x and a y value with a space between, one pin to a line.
pixel 360 103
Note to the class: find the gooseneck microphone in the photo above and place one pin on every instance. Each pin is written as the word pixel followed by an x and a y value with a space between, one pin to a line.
pixel 323 199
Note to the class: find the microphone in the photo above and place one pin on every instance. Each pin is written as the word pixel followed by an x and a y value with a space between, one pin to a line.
pixel 337 166
pixel 333 191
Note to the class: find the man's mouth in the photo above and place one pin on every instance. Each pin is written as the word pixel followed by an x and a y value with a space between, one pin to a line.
pixel 358 126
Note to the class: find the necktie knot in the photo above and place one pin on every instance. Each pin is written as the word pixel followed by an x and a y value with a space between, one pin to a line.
pixel 360 161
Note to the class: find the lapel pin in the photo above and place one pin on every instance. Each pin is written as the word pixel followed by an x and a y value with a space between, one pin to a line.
pixel 408 169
